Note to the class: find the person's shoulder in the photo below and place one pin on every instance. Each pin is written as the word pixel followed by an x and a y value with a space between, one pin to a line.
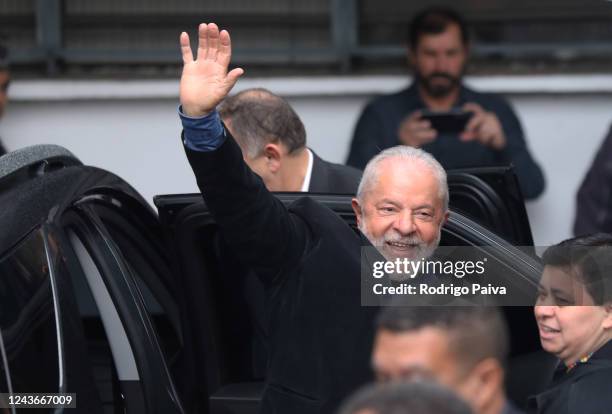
pixel 591 389
pixel 328 177
pixel 307 207
pixel 320 219
pixel 345 173
pixel 383 102
pixel 485 99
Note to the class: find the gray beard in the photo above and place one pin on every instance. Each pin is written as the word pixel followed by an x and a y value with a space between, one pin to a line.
pixel 422 251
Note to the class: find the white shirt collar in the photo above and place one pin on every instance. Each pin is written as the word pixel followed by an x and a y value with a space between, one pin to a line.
pixel 306 183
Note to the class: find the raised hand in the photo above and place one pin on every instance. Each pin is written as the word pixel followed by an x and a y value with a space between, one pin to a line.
pixel 205 80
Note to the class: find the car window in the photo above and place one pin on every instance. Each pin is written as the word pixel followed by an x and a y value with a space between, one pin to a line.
pixel 5 376
pixel 28 318
pixel 101 327
pixel 146 256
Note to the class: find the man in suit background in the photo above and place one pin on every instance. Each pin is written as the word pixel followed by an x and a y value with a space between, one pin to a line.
pixel 273 142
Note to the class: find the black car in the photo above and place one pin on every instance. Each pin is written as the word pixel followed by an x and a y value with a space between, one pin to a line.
pixel 133 311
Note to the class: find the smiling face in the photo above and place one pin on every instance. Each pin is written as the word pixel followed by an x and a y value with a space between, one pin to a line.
pixel 403 212
pixel 567 330
pixel 439 61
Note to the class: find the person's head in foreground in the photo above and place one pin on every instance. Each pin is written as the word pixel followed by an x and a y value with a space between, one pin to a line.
pixel 402 202
pixel 463 348
pixel 574 305
pixel 271 136
pixel 404 398
pixel 438 50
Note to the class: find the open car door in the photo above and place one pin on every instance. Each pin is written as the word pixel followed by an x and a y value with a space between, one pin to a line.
pixel 491 196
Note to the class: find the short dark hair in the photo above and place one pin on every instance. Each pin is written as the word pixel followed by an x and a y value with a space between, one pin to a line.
pixel 259 117
pixel 589 258
pixel 476 332
pixel 435 20
pixel 415 397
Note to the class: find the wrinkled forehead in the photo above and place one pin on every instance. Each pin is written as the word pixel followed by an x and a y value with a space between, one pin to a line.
pixel 398 175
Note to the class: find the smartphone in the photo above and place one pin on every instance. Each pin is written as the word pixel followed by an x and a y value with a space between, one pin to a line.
pixel 453 121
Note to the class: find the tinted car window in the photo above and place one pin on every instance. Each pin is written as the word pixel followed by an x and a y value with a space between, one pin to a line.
pixel 98 349
pixel 5 385
pixel 27 318
pixel 145 255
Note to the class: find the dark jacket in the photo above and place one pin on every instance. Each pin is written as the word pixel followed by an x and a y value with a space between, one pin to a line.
pixel 333 178
pixel 378 125
pixel 326 177
pixel 586 389
pixel 309 258
pixel 594 198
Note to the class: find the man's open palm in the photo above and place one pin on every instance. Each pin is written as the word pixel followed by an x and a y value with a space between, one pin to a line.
pixel 205 80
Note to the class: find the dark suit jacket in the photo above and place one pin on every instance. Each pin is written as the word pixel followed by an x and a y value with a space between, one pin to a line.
pixel 586 389
pixel 326 177
pixel 333 178
pixel 309 258
pixel 594 198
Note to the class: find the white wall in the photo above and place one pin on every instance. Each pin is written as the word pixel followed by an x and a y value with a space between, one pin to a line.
pixel 132 129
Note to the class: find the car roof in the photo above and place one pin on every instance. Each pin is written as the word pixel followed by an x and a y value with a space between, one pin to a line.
pixel 38 182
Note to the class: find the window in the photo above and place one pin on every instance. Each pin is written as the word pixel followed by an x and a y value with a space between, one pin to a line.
pixel 28 319
pixel 139 37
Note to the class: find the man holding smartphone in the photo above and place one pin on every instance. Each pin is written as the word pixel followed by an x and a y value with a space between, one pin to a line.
pixel 460 127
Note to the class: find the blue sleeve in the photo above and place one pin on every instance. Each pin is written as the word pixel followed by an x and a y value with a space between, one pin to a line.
pixel 202 134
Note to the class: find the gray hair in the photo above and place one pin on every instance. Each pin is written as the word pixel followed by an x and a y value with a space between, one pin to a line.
pixel 370 174
pixel 405 398
pixel 258 117
pixel 476 333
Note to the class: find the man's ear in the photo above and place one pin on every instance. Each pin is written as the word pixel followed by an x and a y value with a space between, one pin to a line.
pixel 357 209
pixel 274 154
pixel 488 381
pixel 607 322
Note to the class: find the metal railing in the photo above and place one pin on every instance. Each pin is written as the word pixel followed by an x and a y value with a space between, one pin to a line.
pixel 330 34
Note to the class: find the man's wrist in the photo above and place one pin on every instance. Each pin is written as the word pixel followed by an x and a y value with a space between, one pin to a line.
pixel 498 142
pixel 203 133
pixel 194 113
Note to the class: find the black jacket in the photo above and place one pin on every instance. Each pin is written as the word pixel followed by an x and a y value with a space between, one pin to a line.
pixel 379 123
pixel 326 177
pixel 309 258
pixel 333 178
pixel 594 198
pixel 586 389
